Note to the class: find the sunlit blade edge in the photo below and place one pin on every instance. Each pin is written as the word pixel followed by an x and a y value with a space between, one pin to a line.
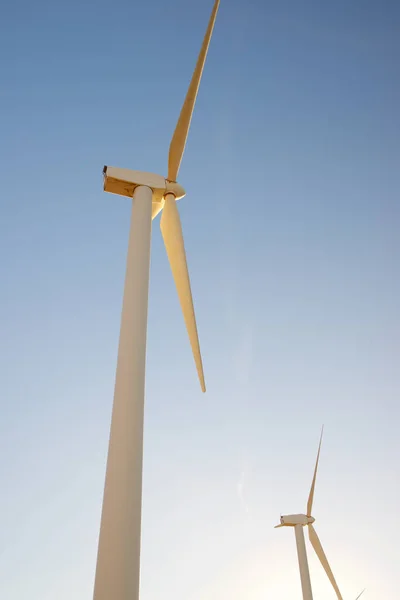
pixel 311 495
pixel 178 142
pixel 171 230
pixel 316 544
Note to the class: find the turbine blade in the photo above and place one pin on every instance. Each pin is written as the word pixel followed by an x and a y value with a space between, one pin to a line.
pixel 359 595
pixel 277 527
pixel 178 142
pixel 171 230
pixel 311 495
pixel 316 544
pixel 156 208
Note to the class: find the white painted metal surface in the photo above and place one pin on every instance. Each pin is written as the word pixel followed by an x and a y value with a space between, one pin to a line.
pixel 292 520
pixel 118 561
pixel 303 563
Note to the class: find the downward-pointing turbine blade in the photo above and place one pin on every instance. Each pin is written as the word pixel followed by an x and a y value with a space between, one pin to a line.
pixel 316 544
pixel 178 142
pixel 311 495
pixel 171 230
pixel 359 595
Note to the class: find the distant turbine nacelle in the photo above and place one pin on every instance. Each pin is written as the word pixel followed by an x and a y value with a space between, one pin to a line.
pixel 293 520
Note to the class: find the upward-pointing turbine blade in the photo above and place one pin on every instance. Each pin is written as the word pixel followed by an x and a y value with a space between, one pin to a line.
pixel 311 495
pixel 171 230
pixel 316 544
pixel 178 142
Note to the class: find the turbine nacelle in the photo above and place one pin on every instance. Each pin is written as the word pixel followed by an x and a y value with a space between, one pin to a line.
pixel 123 182
pixel 293 520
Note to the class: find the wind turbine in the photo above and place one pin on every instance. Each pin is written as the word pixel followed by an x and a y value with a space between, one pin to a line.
pixel 300 521
pixel 118 560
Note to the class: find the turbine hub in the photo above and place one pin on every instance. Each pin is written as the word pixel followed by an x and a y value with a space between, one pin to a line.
pixel 171 187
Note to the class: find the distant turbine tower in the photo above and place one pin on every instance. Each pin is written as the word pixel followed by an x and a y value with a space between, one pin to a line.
pixel 300 521
pixel 118 559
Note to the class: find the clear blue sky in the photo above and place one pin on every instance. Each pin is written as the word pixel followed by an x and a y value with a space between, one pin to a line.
pixel 291 223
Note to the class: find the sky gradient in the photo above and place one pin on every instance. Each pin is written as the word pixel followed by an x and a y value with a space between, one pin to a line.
pixel 291 225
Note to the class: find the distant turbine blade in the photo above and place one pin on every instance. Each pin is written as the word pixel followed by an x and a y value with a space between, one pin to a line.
pixel 316 544
pixel 178 142
pixel 171 230
pixel 359 595
pixel 311 496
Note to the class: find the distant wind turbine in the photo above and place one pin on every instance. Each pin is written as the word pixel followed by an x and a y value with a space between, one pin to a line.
pixel 118 560
pixel 300 521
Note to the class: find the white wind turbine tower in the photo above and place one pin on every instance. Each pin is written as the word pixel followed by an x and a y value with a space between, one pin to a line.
pixel 300 521
pixel 118 560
